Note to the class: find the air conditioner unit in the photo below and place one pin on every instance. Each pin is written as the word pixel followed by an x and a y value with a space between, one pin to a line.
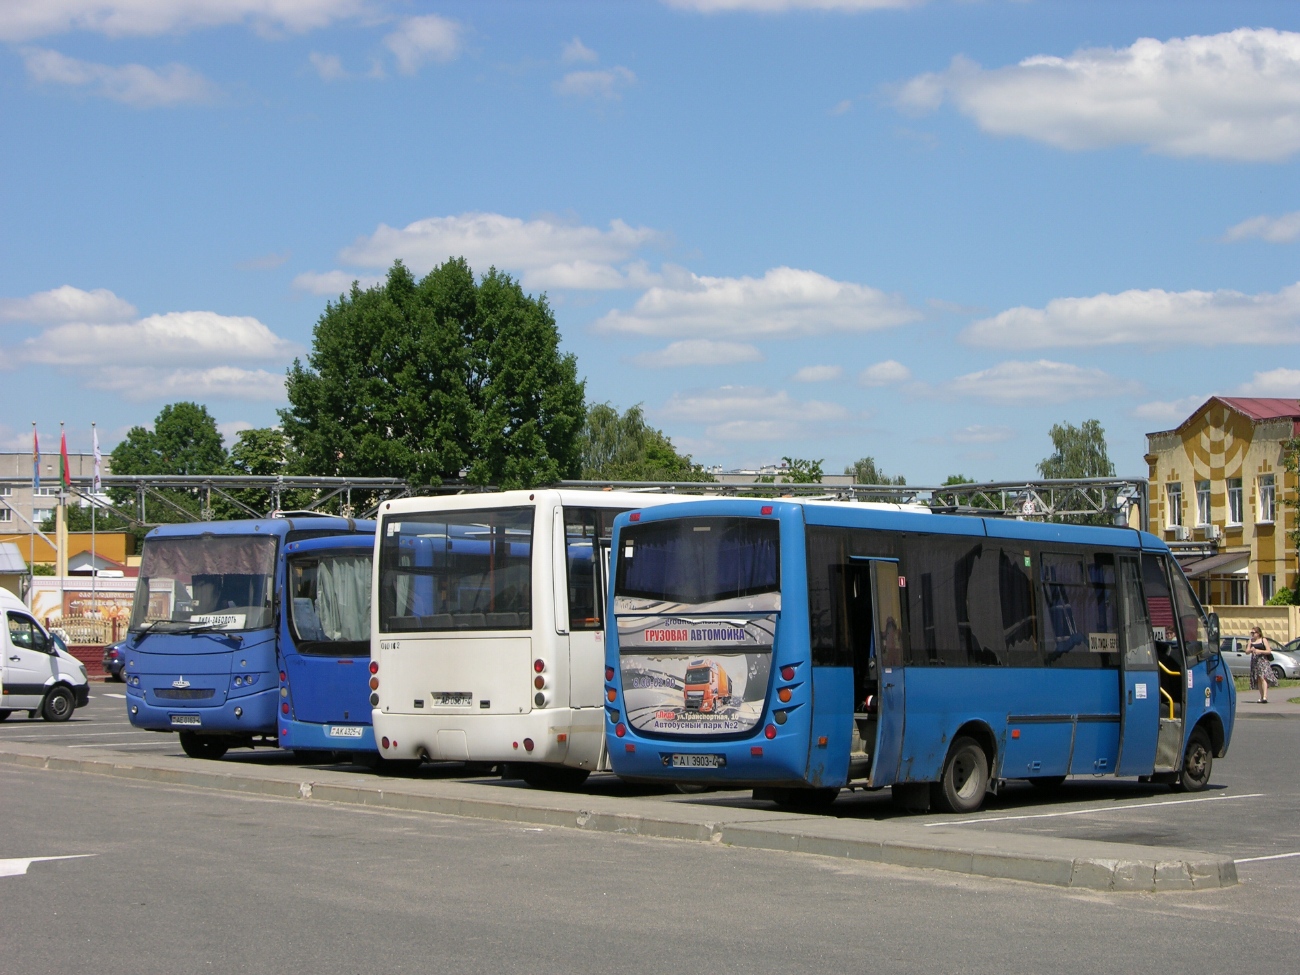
pixel 1181 533
pixel 1210 532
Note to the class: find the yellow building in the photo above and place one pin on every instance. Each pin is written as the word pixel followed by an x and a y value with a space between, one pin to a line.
pixel 1221 496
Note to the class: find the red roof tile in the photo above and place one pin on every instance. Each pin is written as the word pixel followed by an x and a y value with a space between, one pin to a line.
pixel 1272 408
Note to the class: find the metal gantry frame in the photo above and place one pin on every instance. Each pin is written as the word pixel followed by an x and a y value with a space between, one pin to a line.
pixel 1045 500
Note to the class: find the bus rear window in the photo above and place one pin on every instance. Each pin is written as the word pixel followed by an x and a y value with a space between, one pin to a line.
pixel 699 560
pixel 456 570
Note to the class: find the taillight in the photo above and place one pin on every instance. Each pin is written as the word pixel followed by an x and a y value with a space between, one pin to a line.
pixel 539 682
pixel 528 744
pixel 620 729
pixel 284 708
pixel 787 672
pixel 610 694
pixel 784 695
pixel 383 741
pixel 283 676
pixel 765 510
pixel 634 516
pixel 609 673
pixel 539 665
pixel 770 731
pixel 374 683
pixel 374 668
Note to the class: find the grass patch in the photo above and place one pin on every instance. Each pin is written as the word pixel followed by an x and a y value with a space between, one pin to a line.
pixel 1243 684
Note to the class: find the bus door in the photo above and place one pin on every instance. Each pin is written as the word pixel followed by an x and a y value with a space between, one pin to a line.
pixel 1140 688
pixel 874 617
pixel 1171 663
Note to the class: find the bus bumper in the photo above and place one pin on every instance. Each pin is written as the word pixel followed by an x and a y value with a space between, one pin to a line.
pixel 326 737
pixel 557 736
pixel 256 714
pixel 747 763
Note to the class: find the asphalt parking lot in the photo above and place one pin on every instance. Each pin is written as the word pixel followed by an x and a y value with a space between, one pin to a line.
pixel 1248 813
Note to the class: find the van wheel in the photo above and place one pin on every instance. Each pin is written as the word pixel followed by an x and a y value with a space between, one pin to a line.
pixel 58 704
pixel 1198 761
pixel 556 779
pixel 202 746
pixel 965 778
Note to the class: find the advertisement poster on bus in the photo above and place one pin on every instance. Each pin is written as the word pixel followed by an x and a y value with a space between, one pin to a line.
pixel 695 676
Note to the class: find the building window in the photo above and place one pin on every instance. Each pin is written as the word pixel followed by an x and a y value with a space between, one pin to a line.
pixel 46 492
pixel 1236 592
pixel 1234 501
pixel 1202 502
pixel 1174 497
pixel 5 490
pixel 1266 506
pixel 6 514
pixel 1267 587
pixel 40 514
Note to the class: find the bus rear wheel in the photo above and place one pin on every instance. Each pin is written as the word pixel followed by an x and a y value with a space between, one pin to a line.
pixel 554 778
pixel 1198 762
pixel 202 746
pixel 965 778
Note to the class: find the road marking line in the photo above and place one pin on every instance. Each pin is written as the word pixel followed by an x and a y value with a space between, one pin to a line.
pixel 125 744
pixel 1085 812
pixel 17 868
pixel 119 696
pixel 77 734
pixel 1275 856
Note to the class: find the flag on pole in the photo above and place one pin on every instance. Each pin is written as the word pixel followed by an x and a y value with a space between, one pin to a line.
pixel 36 460
pixel 99 461
pixel 65 475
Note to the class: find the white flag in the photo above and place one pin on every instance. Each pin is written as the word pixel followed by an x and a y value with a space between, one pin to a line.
pixel 99 461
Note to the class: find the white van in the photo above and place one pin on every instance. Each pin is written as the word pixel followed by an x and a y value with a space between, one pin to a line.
pixel 36 673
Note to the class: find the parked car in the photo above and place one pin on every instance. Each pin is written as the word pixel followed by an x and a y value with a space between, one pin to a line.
pixel 1237 657
pixel 115 661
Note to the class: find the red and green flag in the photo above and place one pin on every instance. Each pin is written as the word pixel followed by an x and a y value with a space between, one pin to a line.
pixel 65 474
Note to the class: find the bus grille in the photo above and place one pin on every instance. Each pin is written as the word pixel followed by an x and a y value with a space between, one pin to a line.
pixel 184 693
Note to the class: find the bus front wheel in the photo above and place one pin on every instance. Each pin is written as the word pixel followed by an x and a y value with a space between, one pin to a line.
pixel 965 778
pixel 202 746
pixel 1198 761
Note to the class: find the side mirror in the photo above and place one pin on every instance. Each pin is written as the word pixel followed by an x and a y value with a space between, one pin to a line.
pixel 1212 626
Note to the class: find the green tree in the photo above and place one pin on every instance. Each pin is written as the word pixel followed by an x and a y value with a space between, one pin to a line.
pixel 955 479
pixel 623 447
pixel 426 380
pixel 1080 452
pixel 260 452
pixel 184 441
pixel 803 471
pixel 864 471
pixel 79 520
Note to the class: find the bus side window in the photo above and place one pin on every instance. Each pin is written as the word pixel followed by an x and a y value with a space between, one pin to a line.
pixel 1138 646
pixel 587 534
pixel 1190 619
pixel 1080 618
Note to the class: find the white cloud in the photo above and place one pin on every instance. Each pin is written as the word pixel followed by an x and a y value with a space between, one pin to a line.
pixel 1227 96
pixel 576 52
pixel 219 382
pixel 66 304
pixel 332 283
pixel 781 6
pixel 885 373
pixel 26 19
pixel 699 352
pixel 1276 230
pixel 753 413
pixel 1154 317
pixel 1025 383
pixel 131 84
pixel 1280 382
pixel 422 39
pixel 784 302
pixel 197 338
pixel 328 66
pixel 842 107
pixel 607 83
pixel 548 252
pixel 231 430
pixel 977 434
pixel 1169 411
pixel 819 374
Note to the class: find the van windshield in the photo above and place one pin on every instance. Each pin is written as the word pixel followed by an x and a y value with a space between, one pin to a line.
pixel 205 582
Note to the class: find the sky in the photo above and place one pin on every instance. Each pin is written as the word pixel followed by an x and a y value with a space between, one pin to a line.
pixel 923 232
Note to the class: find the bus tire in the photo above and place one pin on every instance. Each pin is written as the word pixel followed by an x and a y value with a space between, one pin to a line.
pixel 1198 762
pixel 965 778
pixel 4 715
pixel 58 704
pixel 554 778
pixel 1048 782
pixel 805 800
pixel 202 746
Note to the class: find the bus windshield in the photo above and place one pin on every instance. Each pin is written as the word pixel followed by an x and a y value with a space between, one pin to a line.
pixel 456 570
pixel 217 582
pixel 329 606
pixel 699 560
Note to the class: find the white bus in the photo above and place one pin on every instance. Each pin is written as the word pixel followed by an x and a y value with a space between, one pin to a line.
pixel 487 639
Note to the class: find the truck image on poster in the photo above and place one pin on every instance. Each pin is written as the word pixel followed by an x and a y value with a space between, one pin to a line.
pixel 707 686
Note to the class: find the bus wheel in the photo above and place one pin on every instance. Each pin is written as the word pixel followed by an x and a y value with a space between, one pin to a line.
pixel 1198 761
pixel 4 715
pixel 965 778
pixel 58 704
pixel 1047 781
pixel 202 746
pixel 805 800
pixel 551 777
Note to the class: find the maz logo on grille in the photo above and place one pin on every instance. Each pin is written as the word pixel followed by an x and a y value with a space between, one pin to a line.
pixel 182 682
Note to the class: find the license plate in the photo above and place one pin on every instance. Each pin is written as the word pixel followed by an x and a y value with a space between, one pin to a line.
pixel 452 699
pixel 190 719
pixel 698 761
pixel 346 731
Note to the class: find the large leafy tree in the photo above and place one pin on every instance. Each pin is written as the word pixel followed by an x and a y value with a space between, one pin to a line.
pixel 623 447
pixel 1080 452
pixel 428 379
pixel 865 471
pixel 184 441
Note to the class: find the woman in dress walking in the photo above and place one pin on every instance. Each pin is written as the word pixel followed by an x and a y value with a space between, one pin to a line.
pixel 1261 658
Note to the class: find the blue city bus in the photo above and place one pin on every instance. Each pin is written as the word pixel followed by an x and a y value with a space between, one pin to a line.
pixel 877 645
pixel 249 633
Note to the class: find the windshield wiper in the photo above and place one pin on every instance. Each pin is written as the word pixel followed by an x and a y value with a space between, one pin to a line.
pixel 213 628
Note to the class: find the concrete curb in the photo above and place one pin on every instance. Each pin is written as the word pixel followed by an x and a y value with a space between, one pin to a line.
pixel 1034 859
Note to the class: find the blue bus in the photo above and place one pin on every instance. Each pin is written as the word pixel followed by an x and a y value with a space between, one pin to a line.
pixel 249 633
pixel 796 648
